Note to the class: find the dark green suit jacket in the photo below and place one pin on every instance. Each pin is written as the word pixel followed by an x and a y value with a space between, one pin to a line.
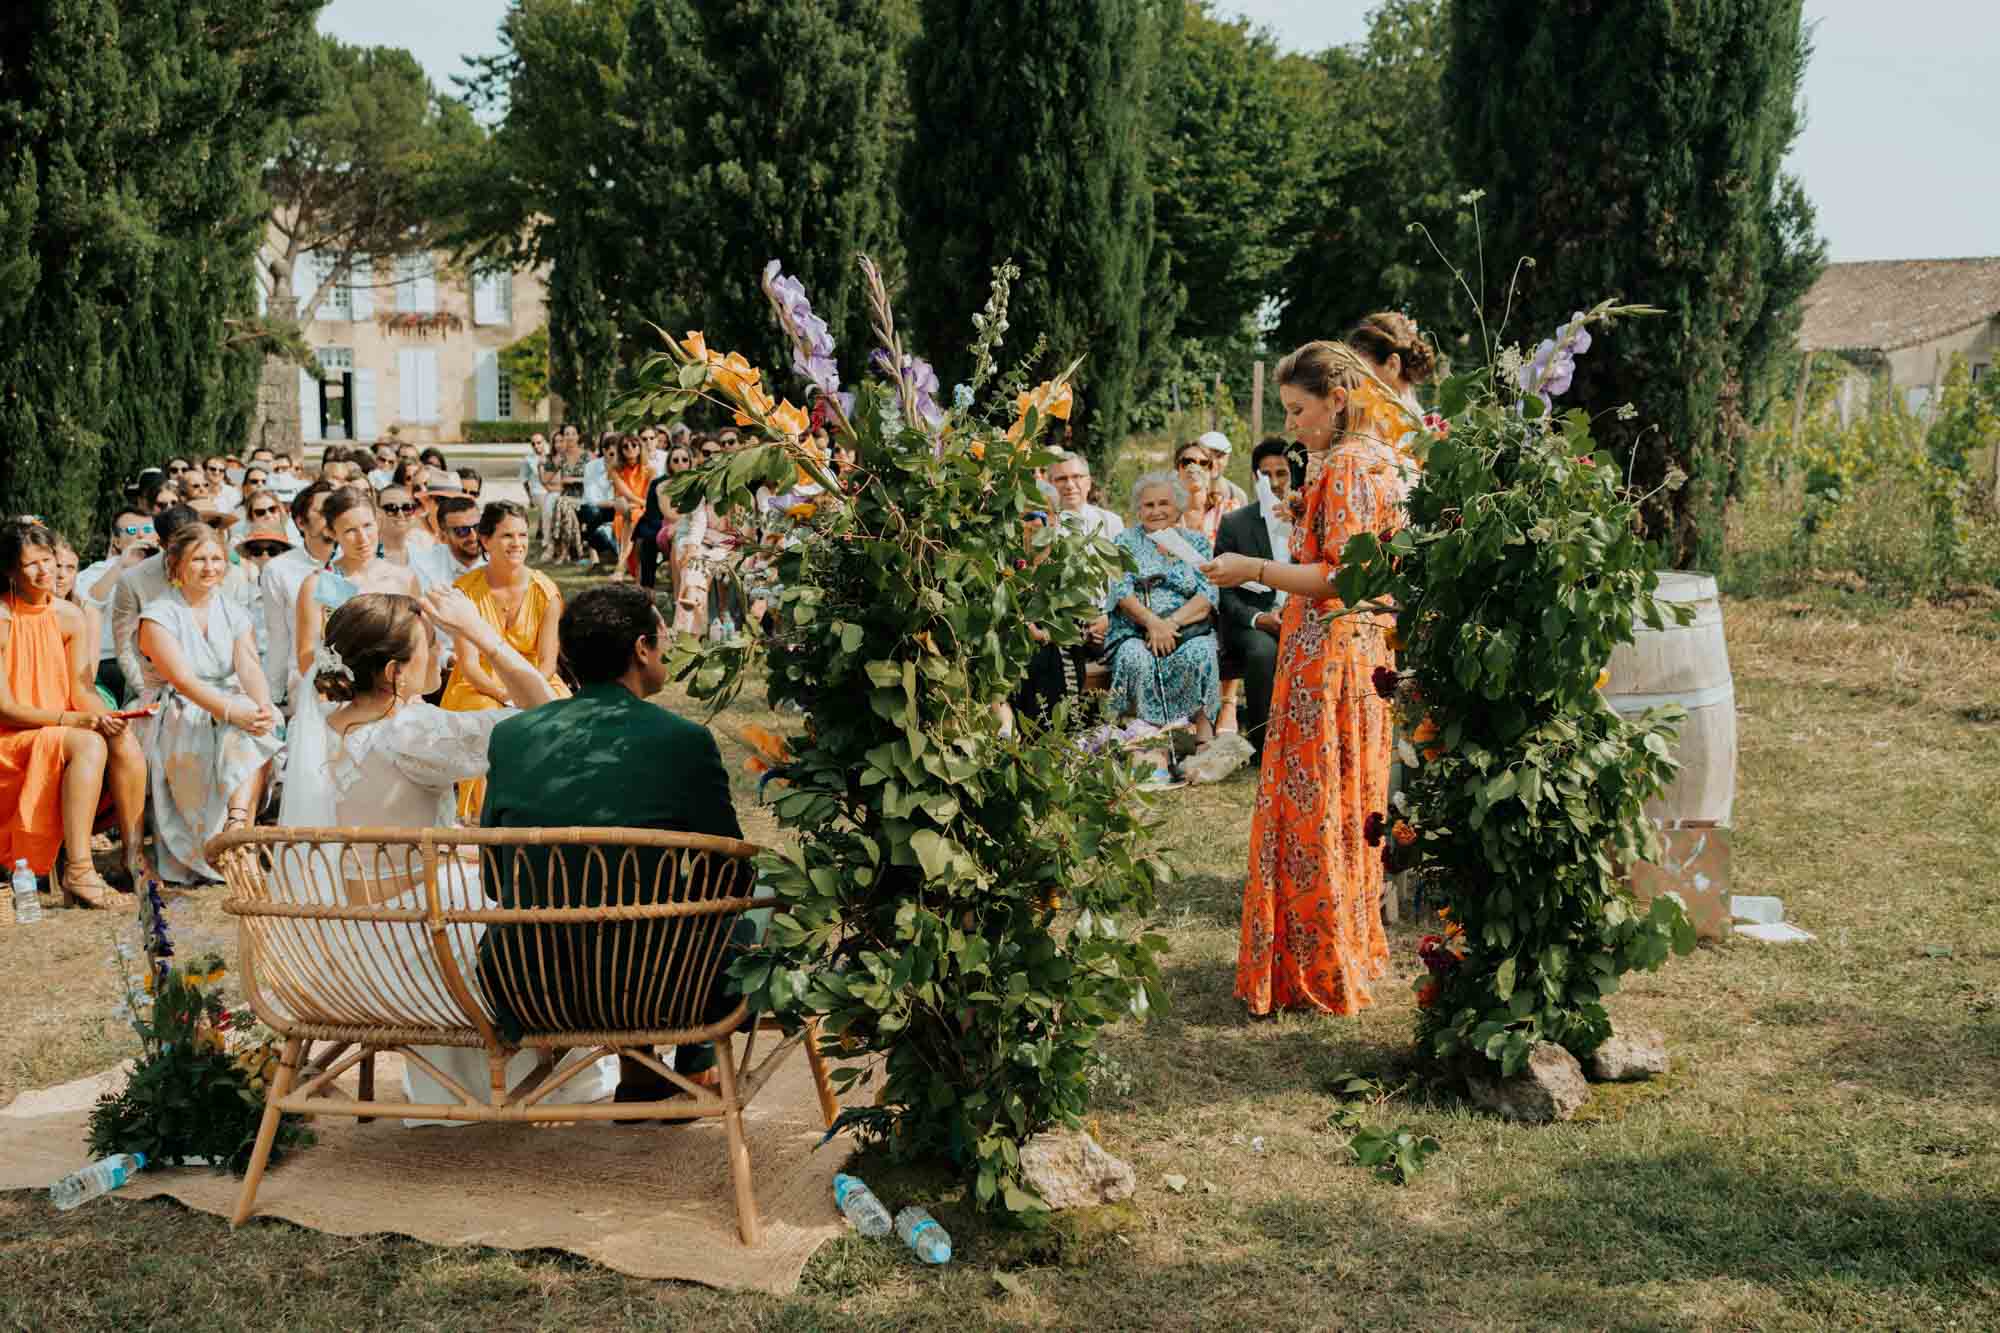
pixel 606 758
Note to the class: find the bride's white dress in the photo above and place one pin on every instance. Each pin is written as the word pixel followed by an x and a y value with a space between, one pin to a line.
pixel 400 772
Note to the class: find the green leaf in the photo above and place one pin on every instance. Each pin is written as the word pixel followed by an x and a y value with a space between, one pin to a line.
pixel 933 852
pixel 1503 978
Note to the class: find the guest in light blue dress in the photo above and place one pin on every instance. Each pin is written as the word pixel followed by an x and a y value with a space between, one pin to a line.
pixel 210 746
pixel 1161 640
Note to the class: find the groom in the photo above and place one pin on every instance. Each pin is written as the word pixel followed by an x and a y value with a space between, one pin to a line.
pixel 606 757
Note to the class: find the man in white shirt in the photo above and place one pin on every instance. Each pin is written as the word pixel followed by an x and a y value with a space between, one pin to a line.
pixel 384 470
pixel 133 539
pixel 137 587
pixel 459 552
pixel 1070 478
pixel 594 510
pixel 1218 448
pixel 278 587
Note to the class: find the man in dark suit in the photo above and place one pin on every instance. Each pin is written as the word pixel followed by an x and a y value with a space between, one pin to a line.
pixel 1250 613
pixel 606 757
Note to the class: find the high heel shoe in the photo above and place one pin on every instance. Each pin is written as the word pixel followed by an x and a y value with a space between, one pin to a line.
pixel 82 886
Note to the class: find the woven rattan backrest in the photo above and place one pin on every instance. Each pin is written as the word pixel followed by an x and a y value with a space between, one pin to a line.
pixel 523 930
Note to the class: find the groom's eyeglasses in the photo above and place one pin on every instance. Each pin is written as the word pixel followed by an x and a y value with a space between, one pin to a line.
pixel 401 511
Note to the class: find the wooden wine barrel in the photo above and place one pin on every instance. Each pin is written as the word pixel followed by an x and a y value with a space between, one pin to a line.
pixel 1686 665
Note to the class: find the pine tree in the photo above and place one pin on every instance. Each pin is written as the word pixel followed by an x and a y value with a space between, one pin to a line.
pixel 773 144
pixel 130 212
pixel 1633 149
pixel 1033 128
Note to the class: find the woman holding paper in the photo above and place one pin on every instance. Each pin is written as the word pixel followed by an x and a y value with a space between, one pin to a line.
pixel 1312 910
pixel 1161 639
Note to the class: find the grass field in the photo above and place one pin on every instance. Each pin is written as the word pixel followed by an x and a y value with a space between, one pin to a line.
pixel 1824 1153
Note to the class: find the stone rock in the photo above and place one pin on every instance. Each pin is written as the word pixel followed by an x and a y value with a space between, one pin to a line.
pixel 1750 907
pixel 1776 932
pixel 1626 1057
pixel 1069 1170
pixel 1552 1087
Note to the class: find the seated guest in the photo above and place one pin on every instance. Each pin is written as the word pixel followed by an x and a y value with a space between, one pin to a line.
pixel 597 507
pixel 1250 618
pixel 133 539
pixel 1218 448
pixel 572 762
pixel 227 497
pixel 257 547
pixel 460 552
pixel 402 539
pixel 471 481
pixel 383 758
pixel 215 735
pixel 138 587
pixel 631 477
pixel 67 568
pixel 278 588
pixel 384 470
pixel 654 534
pixel 1162 641
pixel 158 494
pixel 1069 478
pixel 59 748
pixel 357 567
pixel 1207 501
pixel 433 457
pixel 522 604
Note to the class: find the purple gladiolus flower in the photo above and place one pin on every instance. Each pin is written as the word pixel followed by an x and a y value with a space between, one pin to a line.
pixel 1549 375
pixel 916 375
pixel 812 341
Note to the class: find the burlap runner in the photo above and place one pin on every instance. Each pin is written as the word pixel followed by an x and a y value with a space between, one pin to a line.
pixel 654 1202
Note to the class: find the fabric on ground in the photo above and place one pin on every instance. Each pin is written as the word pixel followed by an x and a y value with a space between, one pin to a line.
pixel 650 1202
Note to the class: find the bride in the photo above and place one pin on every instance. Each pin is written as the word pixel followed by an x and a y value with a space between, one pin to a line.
pixel 383 758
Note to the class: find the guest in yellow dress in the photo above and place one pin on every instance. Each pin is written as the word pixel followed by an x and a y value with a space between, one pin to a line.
pixel 524 605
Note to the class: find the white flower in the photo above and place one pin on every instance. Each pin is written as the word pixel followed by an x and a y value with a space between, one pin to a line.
pixel 1627 411
pixel 1471 196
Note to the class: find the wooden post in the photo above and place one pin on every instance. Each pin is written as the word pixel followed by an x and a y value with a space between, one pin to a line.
pixel 1256 404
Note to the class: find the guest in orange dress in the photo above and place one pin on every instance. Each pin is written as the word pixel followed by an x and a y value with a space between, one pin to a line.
pixel 629 475
pixel 524 605
pixel 62 754
pixel 1312 910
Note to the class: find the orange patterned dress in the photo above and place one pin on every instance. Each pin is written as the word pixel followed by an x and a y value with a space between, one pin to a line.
pixel 1312 910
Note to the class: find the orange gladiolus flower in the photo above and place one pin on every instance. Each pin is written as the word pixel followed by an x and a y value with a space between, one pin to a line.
pixel 695 345
pixel 1427 730
pixel 1047 398
pixel 790 420
pixel 977 449
pixel 1405 832
pixel 1431 754
pixel 1603 678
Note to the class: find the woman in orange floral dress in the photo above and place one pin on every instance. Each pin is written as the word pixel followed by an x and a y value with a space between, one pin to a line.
pixel 1312 909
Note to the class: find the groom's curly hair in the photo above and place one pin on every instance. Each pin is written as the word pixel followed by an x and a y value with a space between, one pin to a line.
pixel 599 628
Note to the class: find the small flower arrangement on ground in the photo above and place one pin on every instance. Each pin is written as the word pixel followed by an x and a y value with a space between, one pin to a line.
pixel 196 1092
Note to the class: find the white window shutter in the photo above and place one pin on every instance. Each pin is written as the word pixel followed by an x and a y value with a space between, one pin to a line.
pixel 406 286
pixel 364 405
pixel 485 300
pixel 309 422
pixel 486 374
pixel 361 288
pixel 303 271
pixel 260 276
pixel 406 383
pixel 426 286
pixel 427 384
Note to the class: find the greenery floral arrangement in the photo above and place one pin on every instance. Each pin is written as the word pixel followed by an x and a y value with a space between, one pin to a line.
pixel 196 1093
pixel 917 916
pixel 1518 573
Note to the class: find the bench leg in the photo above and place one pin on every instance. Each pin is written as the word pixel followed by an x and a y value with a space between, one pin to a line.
pixel 829 1105
pixel 267 1132
pixel 747 1222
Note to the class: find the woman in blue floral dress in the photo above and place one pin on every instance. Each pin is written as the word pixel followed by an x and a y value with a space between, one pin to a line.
pixel 1161 640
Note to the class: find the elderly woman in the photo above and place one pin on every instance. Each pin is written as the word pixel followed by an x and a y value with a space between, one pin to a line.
pixel 1161 640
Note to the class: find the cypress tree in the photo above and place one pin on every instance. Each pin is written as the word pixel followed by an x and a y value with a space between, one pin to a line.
pixel 1633 149
pixel 130 214
pixel 754 130
pixel 1033 122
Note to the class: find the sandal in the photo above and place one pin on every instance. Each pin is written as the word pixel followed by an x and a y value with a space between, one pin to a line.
pixel 82 886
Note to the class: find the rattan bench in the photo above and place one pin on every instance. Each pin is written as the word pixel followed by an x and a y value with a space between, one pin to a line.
pixel 639 917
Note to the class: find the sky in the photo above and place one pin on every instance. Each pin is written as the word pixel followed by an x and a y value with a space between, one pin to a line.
pixel 1898 152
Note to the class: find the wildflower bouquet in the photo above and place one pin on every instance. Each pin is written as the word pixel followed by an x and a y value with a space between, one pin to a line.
pixel 1518 573
pixel 916 916
pixel 196 1093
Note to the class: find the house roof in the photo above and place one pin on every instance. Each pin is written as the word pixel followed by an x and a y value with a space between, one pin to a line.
pixel 1888 304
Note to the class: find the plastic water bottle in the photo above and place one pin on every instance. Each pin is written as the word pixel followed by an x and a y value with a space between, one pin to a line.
pixel 853 1197
pixel 27 905
pixel 100 1177
pixel 921 1232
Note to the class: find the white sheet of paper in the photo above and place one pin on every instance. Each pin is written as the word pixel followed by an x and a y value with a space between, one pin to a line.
pixel 1174 544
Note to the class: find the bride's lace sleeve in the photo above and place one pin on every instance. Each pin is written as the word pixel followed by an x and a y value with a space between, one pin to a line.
pixel 435 748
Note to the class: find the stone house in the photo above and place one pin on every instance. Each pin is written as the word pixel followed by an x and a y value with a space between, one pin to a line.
pixel 408 342
pixel 1900 322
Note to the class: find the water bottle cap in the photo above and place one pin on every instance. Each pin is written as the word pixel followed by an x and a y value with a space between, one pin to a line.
pixel 138 1161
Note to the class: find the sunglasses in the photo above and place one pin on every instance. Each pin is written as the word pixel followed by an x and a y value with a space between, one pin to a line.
pixel 217 468
pixel 137 529
pixel 1036 516
pixel 262 550
pixel 461 529
pixel 401 510
pixel 1201 463
pixel 268 511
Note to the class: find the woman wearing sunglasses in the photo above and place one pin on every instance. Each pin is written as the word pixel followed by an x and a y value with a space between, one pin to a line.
pixel 357 567
pixel 1207 501
pixel 401 535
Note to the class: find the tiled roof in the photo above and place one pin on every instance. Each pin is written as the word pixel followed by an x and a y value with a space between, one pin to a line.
pixel 1887 304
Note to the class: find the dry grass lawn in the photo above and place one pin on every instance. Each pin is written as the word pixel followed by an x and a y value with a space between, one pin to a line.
pixel 1823 1154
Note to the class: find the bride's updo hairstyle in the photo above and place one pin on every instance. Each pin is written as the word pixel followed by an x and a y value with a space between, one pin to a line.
pixel 369 632
pixel 1391 333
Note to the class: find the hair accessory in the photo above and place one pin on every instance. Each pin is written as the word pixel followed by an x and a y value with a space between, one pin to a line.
pixel 328 662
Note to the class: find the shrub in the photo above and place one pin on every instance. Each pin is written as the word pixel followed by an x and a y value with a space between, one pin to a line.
pixel 503 432
pixel 1518 573
pixel 918 912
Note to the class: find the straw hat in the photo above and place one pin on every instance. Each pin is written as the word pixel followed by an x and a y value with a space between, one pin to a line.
pixel 263 532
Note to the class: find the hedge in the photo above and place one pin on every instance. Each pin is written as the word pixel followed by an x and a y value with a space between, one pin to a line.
pixel 504 432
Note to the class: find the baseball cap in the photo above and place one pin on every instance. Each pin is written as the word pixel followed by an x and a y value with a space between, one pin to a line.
pixel 1215 440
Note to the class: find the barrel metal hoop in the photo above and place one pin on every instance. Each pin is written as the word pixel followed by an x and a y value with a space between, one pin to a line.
pixel 1688 699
